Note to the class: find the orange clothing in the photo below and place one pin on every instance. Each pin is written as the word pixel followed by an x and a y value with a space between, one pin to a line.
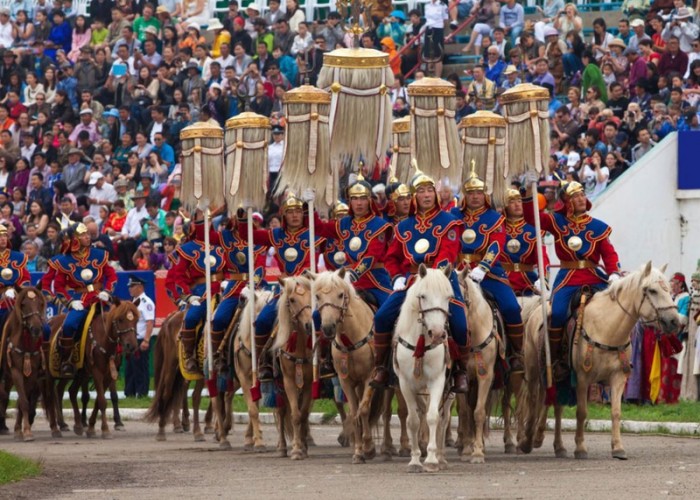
pixel 389 47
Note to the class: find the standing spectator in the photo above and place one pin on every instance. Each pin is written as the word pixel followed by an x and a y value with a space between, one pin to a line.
pixel 682 27
pixel 40 194
pixel 673 59
pixel 512 19
pixel 74 172
pixel 136 374
pixel 592 77
pixel 274 157
pixel 436 14
pixel 643 146
pixel 131 231
pixel 102 194
pixel 294 15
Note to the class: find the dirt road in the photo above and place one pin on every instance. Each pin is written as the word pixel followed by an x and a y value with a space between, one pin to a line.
pixel 134 465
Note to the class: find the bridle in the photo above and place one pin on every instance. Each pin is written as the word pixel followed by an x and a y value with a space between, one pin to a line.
pixel 342 309
pixel 27 348
pixel 645 298
pixel 421 317
pixel 111 337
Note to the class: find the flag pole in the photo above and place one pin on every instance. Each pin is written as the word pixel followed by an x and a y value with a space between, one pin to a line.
pixel 316 385
pixel 255 389
pixel 211 382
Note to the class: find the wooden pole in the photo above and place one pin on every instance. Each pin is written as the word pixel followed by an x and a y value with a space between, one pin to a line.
pixel 251 298
pixel 316 388
pixel 543 282
pixel 208 302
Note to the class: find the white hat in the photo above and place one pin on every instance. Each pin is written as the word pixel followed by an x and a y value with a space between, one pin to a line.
pixel 254 7
pixel 214 24
pixel 636 22
pixel 195 25
pixel 574 158
pixel 216 86
pixel 94 177
pixel 86 111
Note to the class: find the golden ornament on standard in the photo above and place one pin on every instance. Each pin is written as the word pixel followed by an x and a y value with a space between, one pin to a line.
pixel 6 273
pixel 240 258
pixel 339 258
pixel 575 243
pixel 422 246
pixel 291 254
pixel 469 236
pixel 355 243
pixel 86 274
pixel 513 246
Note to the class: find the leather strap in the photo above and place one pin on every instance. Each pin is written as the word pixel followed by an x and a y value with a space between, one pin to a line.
pixel 516 267
pixel 577 264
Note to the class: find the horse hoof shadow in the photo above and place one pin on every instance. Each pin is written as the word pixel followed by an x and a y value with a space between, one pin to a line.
pixel 198 438
pixel 414 469
pixel 580 455
pixel 224 445
pixel 260 448
pixel 510 449
pixel 443 465
pixel 358 459
pixel 386 456
pixel 619 454
pixel 561 453
pixel 56 434
pixel 178 430
pixel 160 437
pixel 119 427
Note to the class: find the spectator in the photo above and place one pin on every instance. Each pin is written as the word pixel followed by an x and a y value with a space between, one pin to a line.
pixel 102 194
pixel 40 194
pixel 136 374
pixel 495 66
pixel 673 59
pixel 592 76
pixel 52 244
pixel 131 231
pixel 681 27
pixel 74 172
pixel 481 91
pixel 512 19
pixel 36 263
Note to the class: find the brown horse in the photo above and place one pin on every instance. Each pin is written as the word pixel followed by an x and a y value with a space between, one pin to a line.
pixel 108 329
pixel 21 360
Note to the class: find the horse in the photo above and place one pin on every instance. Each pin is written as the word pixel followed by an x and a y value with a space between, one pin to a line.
pixel 241 363
pixel 423 321
pixel 21 359
pixel 108 329
pixel 170 387
pixel 294 322
pixel 600 353
pixel 346 321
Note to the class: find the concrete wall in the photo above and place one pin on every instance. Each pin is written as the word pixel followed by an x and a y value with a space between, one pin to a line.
pixel 650 218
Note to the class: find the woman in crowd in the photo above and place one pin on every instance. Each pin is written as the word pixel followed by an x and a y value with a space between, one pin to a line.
pixel 37 216
pixel 82 35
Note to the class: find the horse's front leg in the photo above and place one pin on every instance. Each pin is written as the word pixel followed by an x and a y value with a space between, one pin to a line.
pixel 484 386
pixel 73 393
pixel 388 448
pixel 365 401
pixel 101 406
pixel 413 422
pixel 292 392
pixel 256 443
pixel 509 445
pixel 581 414
pixel 353 415
pixel 23 429
pixel 196 401
pixel 617 387
pixel 449 440
pixel 559 450
pixel 402 413
pixel 219 408
pixel 435 390
pixel 114 397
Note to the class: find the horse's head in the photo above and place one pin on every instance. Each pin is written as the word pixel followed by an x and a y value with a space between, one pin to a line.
pixel 433 293
pixel 332 295
pixel 296 303
pixel 30 309
pixel 122 324
pixel 657 305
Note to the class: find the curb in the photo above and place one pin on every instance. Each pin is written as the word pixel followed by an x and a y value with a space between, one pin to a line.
pixel 568 424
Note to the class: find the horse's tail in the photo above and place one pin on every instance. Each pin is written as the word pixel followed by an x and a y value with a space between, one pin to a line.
pixel 376 407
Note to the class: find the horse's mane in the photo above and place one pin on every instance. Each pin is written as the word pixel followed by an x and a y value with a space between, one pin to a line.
pixel 16 315
pixel 284 318
pixel 427 285
pixel 122 308
pixel 633 282
pixel 262 297
pixel 330 280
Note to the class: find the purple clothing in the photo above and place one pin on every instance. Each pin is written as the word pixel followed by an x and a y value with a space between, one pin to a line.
pixel 20 179
pixel 638 69
pixel 544 80
pixel 635 385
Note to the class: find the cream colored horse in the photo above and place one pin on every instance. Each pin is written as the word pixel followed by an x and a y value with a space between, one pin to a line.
pixel 346 321
pixel 601 353
pixel 244 379
pixel 293 338
pixel 422 380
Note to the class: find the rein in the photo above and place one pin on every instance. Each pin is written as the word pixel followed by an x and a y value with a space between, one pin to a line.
pixel 26 339
pixel 424 333
pixel 645 298
pixel 114 328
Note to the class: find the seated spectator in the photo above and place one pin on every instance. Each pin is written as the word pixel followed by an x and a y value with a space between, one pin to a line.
pixel 131 231
pixel 52 243
pixel 36 263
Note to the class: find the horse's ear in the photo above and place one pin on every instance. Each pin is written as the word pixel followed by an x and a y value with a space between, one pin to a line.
pixel 465 273
pixel 281 281
pixel 647 270
pixel 341 273
pixel 663 268
pixel 448 270
pixel 422 270
pixel 116 301
pixel 309 275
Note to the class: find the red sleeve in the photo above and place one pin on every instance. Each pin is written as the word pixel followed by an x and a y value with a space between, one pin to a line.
pixel 610 259
pixel 110 277
pixel 326 229
pixel 396 263
pixel 176 282
pixel 448 251
pixel 260 236
pixel 59 286
pixel 214 237
pixel 546 219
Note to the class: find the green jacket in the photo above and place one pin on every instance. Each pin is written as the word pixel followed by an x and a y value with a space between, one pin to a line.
pixel 593 77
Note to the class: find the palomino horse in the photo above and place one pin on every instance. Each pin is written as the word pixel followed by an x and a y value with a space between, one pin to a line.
pixel 346 321
pixel 243 366
pixel 170 387
pixel 295 355
pixel 108 329
pixel 21 360
pixel 601 353
pixel 425 314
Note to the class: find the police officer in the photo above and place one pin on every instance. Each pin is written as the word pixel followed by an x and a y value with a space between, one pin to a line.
pixel 136 372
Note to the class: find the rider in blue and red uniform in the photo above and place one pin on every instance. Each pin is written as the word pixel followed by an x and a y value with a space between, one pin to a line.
pixel 581 243
pixel 292 245
pixel 520 257
pixel 398 203
pixel 483 242
pixel 83 278
pixel 333 254
pixel 428 236
pixel 13 275
pixel 186 285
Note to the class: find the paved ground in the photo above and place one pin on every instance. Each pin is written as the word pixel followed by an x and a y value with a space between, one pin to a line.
pixel 134 465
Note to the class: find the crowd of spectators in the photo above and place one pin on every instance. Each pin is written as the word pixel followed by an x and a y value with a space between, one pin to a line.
pixel 91 107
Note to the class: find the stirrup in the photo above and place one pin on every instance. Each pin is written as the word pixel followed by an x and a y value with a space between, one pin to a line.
pixel 380 379
pixel 191 365
pixel 459 379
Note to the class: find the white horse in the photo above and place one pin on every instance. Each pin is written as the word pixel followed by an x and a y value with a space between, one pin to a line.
pixel 601 353
pixel 424 314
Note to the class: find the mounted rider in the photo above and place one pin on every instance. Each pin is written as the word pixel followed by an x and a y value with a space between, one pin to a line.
pixel 398 203
pixel 483 242
pixel 428 236
pixel 333 254
pixel 13 275
pixel 292 243
pixel 520 257
pixel 580 242
pixel 84 277
pixel 186 285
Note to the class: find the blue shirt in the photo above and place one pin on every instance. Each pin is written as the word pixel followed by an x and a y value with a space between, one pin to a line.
pixel 167 153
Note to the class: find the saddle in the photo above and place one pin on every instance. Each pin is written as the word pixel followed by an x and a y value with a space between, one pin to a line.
pixel 199 352
pixel 77 357
pixel 369 299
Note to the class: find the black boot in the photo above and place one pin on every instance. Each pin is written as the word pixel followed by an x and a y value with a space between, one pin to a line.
pixel 264 364
pixel 65 350
pixel 559 366
pixel 515 339
pixel 327 370
pixel 382 347
pixel 189 345
pixel 219 357
pixel 459 374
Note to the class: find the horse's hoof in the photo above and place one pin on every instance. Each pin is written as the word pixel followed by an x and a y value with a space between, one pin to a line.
pixel 78 430
pixel 199 437
pixel 524 448
pixel 282 453
pixel 260 448
pixel 450 443
pixel 510 449
pixel 18 436
pixel 310 441
pixel 90 434
pixel 386 456
pixel 619 454
pixel 64 427
pixel 414 468
pixel 160 437
pixel 178 430
pixel 561 453
pixel 404 452
pixel 28 438
pixel 537 443
pixel 4 432
pixel 371 453
pixel 477 459
pixel 209 430
pixel 390 450
pixel 185 427
pixel 107 435
pixel 248 447
pixel 343 440
pixel 297 455
pixel 119 427
pixel 358 459
pixel 581 455
pixel 443 465
pixel 56 434
pixel 431 467
pixel 224 445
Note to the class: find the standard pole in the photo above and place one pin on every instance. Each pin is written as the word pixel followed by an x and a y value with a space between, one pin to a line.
pixel 251 295
pixel 207 272
pixel 543 283
pixel 312 267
